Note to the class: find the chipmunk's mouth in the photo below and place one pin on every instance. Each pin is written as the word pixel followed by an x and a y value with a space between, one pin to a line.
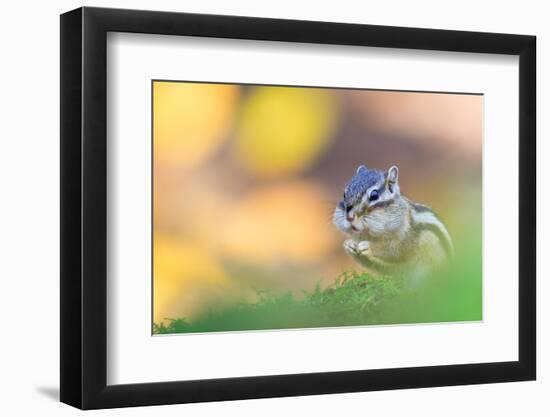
pixel 344 224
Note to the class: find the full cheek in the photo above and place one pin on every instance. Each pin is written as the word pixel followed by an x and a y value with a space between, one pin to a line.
pixel 376 224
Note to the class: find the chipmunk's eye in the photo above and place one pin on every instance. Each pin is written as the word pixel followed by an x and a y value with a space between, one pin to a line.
pixel 373 195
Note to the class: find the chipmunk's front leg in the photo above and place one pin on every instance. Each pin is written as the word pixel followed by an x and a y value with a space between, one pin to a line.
pixel 360 251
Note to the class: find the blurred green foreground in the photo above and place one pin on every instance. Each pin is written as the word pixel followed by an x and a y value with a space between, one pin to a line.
pixel 356 298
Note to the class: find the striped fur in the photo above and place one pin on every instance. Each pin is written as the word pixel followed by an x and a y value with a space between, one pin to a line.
pixel 423 217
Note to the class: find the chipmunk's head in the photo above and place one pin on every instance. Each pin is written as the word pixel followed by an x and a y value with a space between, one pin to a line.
pixel 369 191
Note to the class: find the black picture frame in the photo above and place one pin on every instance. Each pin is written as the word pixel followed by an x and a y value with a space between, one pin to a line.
pixel 84 207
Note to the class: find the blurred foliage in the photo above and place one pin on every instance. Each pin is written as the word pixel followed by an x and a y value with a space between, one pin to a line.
pixel 186 274
pixel 191 120
pixel 278 222
pixel 283 130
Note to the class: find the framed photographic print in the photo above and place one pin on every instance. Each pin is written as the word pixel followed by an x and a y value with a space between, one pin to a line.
pixel 258 207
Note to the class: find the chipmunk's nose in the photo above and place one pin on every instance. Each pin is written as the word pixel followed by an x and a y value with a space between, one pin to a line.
pixel 350 216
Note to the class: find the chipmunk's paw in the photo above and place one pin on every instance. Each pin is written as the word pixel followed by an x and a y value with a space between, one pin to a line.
pixel 350 246
pixel 362 248
pixel 356 248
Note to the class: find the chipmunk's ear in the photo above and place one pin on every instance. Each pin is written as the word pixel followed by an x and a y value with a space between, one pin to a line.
pixel 361 169
pixel 393 174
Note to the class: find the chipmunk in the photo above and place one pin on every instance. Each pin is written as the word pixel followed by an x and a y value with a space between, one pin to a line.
pixel 390 234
